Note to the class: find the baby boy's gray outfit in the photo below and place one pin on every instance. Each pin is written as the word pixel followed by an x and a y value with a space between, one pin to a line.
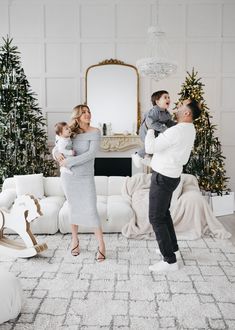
pixel 158 119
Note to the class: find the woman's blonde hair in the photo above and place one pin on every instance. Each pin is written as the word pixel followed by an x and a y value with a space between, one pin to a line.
pixel 76 114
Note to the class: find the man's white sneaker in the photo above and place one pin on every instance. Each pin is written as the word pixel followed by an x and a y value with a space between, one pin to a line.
pixel 177 253
pixel 163 267
pixel 137 160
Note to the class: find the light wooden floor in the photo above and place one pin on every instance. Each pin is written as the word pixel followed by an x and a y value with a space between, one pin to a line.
pixel 229 223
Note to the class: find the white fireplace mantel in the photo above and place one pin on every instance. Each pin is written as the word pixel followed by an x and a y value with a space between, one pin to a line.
pixel 120 142
pixel 116 146
pixel 120 146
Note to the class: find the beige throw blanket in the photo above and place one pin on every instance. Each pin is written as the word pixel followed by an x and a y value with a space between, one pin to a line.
pixel 191 213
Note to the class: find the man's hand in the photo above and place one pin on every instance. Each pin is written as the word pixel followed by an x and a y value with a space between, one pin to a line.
pixel 63 163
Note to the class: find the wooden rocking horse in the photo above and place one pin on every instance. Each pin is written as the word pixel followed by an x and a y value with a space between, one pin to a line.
pixel 25 209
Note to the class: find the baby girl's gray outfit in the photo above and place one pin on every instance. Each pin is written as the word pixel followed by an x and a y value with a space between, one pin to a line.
pixel 79 188
pixel 65 147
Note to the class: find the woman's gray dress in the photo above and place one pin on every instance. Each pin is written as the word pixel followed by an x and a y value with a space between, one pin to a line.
pixel 79 187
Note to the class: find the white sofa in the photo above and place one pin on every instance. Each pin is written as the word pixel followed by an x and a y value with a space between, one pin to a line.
pixel 114 210
pixel 122 204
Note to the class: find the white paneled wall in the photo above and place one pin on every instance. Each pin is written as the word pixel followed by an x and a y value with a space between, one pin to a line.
pixel 59 39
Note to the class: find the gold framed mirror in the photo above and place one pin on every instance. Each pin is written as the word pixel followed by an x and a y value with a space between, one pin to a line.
pixel 112 93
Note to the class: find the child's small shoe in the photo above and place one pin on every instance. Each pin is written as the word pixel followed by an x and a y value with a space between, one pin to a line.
pixel 137 160
pixel 146 160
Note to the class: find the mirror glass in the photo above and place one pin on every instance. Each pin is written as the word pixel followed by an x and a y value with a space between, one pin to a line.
pixel 112 93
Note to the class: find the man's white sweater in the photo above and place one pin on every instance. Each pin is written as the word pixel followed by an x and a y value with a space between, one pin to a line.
pixel 171 149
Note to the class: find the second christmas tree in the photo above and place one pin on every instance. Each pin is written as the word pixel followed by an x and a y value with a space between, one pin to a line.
pixel 206 161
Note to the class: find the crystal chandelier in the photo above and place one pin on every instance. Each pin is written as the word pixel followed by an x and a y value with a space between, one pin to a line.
pixel 158 64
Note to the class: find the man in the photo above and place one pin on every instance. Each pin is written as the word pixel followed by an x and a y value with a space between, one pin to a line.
pixel 171 150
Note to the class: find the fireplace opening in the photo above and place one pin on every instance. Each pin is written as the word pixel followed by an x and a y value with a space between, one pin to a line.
pixel 113 166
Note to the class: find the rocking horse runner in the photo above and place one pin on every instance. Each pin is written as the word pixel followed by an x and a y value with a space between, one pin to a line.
pixel 25 209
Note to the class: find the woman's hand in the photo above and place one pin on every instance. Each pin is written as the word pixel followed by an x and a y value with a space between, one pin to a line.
pixel 59 157
pixel 63 162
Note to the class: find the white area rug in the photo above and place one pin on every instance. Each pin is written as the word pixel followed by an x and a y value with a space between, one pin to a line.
pixel 66 292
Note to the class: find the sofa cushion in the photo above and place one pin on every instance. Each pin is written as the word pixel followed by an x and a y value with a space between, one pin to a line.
pixel 102 199
pixel 119 213
pixel 58 200
pixel 31 184
pixel 9 183
pixel 101 185
pixel 115 184
pixel 7 198
pixel 52 186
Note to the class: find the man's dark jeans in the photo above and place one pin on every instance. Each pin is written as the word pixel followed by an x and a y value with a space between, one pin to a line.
pixel 160 194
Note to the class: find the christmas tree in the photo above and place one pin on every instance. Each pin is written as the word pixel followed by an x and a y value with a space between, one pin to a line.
pixel 23 139
pixel 206 161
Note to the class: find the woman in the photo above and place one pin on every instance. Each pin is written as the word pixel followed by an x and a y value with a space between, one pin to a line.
pixel 79 188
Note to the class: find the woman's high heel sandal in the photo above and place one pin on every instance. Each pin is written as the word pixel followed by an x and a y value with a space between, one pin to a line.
pixel 100 256
pixel 75 251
